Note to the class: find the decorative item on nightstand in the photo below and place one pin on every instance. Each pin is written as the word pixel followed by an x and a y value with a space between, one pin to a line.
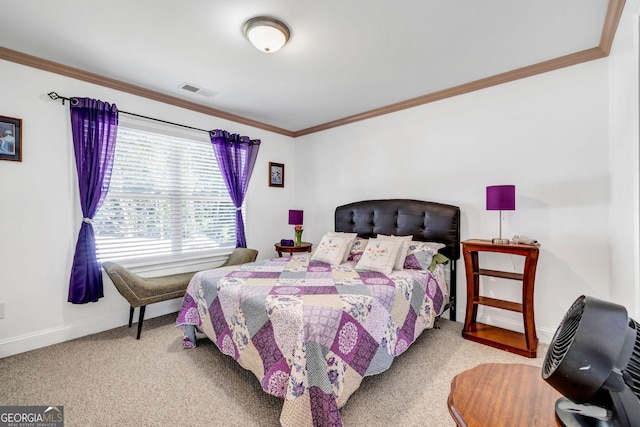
pixel 501 198
pixel 296 219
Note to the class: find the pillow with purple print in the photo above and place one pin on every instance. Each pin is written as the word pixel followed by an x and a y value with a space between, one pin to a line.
pixel 357 249
pixel 420 255
pixel 379 256
pixel 402 253
pixel 330 250
pixel 352 238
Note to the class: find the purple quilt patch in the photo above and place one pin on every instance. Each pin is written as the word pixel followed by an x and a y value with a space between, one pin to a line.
pixel 407 332
pixel 324 274
pixel 367 348
pixel 320 290
pixel 412 262
pixel 187 343
pixel 410 324
pixel 276 379
pixel 217 317
pixel 286 290
pixel 401 345
pixel 347 337
pixel 226 345
pixel 266 345
pixel 316 266
pixel 374 278
pixel 353 344
pixel 321 324
pixel 435 293
pixel 355 256
pixel 188 314
pixel 324 409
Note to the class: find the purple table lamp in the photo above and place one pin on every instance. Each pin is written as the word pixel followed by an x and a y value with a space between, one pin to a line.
pixel 501 198
pixel 295 219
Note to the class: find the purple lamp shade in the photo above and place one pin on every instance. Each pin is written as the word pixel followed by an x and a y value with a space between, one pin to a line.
pixel 295 217
pixel 501 198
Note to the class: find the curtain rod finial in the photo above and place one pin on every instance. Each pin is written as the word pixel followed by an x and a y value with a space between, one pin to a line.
pixel 55 97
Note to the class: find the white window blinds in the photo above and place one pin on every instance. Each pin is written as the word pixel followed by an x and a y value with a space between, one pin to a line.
pixel 167 198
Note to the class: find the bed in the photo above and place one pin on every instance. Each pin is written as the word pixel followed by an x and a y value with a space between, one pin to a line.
pixel 312 326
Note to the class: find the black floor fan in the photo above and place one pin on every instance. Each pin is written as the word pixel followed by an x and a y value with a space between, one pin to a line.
pixel 594 361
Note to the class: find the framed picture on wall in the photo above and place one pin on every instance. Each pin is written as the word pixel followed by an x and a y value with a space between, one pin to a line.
pixel 276 174
pixel 10 139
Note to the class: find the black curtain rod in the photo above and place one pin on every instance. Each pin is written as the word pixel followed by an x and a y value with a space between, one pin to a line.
pixel 74 101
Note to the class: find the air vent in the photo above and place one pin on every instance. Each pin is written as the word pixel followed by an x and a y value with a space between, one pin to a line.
pixel 195 89
pixel 190 88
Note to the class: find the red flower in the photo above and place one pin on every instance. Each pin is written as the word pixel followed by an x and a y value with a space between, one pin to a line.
pixel 298 228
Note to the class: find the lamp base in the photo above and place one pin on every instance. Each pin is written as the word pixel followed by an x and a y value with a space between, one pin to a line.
pixel 500 241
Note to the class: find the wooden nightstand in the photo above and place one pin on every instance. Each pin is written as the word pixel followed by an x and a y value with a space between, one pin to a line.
pixel 304 247
pixel 523 344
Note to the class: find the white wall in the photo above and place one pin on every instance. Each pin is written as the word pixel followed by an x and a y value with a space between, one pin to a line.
pixel 546 134
pixel 624 160
pixel 40 213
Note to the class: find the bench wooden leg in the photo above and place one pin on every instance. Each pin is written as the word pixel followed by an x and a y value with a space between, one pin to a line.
pixel 131 315
pixel 140 320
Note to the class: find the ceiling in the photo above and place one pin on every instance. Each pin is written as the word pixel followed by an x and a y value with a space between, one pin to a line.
pixel 345 60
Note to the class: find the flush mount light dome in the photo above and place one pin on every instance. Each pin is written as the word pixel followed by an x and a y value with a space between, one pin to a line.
pixel 266 34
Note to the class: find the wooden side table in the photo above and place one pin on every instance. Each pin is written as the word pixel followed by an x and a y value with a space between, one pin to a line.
pixel 502 395
pixel 523 344
pixel 304 247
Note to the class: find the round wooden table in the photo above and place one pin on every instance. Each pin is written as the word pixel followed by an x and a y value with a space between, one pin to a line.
pixel 502 395
pixel 304 247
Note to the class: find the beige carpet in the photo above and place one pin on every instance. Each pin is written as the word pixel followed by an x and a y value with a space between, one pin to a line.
pixel 112 379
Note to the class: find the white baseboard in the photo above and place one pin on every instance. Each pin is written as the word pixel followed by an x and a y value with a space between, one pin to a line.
pixel 47 337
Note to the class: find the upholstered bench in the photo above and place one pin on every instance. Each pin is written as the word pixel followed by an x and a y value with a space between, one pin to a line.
pixel 142 291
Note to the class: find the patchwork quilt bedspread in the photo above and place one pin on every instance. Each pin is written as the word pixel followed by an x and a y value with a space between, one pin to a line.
pixel 311 331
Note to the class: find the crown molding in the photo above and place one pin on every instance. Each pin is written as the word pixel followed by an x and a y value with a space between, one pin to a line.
pixel 612 18
pixel 498 79
pixel 75 73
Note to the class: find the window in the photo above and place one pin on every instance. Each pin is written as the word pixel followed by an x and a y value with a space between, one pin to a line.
pixel 167 198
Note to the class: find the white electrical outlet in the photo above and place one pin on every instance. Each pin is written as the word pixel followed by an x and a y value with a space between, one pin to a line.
pixel 1 310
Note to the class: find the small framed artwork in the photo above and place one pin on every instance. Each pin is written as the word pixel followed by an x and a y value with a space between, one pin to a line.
pixel 10 139
pixel 276 174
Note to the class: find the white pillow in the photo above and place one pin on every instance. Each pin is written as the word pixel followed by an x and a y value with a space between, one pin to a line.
pixel 330 250
pixel 352 239
pixel 379 255
pixel 402 253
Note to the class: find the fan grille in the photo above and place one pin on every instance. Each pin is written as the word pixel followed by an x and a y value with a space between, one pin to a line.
pixel 633 367
pixel 563 338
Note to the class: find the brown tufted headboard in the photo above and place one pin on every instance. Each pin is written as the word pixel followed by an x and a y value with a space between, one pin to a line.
pixel 425 221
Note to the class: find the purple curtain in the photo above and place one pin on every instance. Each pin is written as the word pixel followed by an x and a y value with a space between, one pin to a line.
pixel 94 125
pixel 236 157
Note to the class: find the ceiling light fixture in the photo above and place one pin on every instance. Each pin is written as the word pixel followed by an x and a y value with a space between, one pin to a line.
pixel 266 34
